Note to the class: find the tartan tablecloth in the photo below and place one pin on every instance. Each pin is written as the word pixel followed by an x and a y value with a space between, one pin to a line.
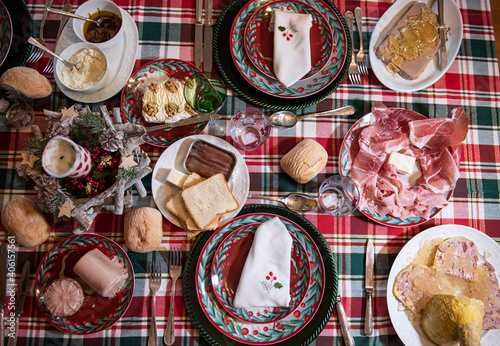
pixel 166 30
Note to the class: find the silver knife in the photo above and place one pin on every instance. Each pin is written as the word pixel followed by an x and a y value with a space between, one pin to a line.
pixel 344 325
pixel 48 4
pixel 21 297
pixel 198 34
pixel 168 127
pixel 369 288
pixel 207 37
pixel 443 54
pixel 3 288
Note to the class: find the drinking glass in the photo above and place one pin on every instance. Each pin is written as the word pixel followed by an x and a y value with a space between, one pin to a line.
pixel 249 128
pixel 205 92
pixel 338 195
pixel 14 111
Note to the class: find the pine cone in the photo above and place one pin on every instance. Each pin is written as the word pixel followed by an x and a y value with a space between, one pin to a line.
pixel 56 129
pixel 47 187
pixel 111 140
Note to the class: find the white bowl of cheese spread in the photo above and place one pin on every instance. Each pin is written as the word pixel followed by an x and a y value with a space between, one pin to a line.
pixel 91 67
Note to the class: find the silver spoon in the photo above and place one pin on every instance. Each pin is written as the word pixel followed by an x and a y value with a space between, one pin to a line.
pixel 289 119
pixel 295 201
pixel 98 22
pixel 45 49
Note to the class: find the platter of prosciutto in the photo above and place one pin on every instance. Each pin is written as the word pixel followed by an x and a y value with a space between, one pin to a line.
pixel 447 254
pixel 405 165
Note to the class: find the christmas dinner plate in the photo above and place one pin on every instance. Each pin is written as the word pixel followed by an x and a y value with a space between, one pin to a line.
pixel 227 266
pixel 259 37
pixel 97 313
pixel 299 328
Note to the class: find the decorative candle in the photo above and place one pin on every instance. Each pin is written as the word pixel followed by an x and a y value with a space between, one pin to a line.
pixel 64 158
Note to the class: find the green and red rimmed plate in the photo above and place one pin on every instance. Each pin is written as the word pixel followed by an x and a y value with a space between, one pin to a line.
pixel 345 164
pixel 227 266
pixel 131 102
pixel 97 313
pixel 301 326
pixel 258 40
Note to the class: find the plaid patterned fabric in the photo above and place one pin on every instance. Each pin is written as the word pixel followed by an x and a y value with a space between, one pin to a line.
pixel 166 30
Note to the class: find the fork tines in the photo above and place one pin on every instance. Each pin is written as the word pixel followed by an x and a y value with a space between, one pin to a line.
pixel 355 78
pixel 49 68
pixel 35 55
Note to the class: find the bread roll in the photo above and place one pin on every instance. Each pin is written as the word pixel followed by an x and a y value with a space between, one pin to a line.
pixel 27 81
pixel 22 219
pixel 304 161
pixel 143 229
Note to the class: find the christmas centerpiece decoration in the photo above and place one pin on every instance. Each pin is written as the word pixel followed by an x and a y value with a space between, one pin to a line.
pixel 85 163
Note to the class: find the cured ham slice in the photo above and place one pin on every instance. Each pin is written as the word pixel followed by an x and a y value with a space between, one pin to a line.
pixel 440 132
pixel 437 158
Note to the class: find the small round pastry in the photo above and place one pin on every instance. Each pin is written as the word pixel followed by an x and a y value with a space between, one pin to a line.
pixel 64 297
pixel 143 229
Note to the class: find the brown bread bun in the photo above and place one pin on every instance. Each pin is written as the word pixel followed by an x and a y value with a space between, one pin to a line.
pixel 143 229
pixel 27 81
pixel 304 161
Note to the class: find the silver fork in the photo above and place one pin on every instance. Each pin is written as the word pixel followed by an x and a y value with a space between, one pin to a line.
pixel 353 72
pixel 37 53
pixel 360 57
pixel 175 270
pixel 49 68
pixel 154 285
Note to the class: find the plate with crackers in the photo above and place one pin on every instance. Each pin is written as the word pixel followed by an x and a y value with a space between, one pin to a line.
pixel 199 183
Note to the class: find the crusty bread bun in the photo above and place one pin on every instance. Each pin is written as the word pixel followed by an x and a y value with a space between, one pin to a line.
pixel 27 81
pixel 304 161
pixel 143 229
pixel 22 219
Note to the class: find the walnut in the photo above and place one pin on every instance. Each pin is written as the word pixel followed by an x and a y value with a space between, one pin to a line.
pixel 172 86
pixel 154 87
pixel 171 109
pixel 189 110
pixel 150 109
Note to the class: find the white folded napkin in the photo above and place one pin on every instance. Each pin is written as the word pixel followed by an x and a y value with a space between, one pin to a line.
pixel 292 48
pixel 265 279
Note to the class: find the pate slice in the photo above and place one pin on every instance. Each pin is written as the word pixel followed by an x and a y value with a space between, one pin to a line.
pixel 163 102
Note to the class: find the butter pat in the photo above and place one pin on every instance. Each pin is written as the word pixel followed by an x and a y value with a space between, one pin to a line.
pixel 176 177
pixel 404 163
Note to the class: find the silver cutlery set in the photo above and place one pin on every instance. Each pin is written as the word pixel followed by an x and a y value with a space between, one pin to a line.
pixel 359 62
pixel 203 35
pixel 369 287
pixel 175 271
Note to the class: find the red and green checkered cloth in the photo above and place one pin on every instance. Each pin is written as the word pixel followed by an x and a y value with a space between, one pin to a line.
pixel 166 30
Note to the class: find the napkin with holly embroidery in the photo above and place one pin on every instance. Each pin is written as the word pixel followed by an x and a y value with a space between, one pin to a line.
pixel 292 48
pixel 265 279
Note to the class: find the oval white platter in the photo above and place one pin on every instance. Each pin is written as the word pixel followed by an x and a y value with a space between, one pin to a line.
pixel 432 73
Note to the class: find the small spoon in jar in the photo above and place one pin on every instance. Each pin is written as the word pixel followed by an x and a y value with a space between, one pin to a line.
pixel 45 49
pixel 98 22
pixel 295 201
pixel 289 119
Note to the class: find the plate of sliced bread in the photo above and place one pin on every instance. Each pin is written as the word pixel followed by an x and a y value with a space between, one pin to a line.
pixel 189 189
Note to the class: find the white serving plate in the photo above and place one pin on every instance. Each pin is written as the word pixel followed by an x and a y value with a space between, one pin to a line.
pixel 174 156
pixel 121 60
pixel 489 250
pixel 432 73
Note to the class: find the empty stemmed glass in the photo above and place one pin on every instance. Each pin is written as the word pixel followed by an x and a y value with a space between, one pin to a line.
pixel 206 93
pixel 338 195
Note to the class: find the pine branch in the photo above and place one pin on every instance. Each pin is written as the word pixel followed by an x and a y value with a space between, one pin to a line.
pixel 94 121
pixel 128 173
pixel 35 145
pixel 54 204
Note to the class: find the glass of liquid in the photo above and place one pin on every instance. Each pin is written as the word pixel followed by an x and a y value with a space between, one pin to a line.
pixel 15 112
pixel 205 92
pixel 249 128
pixel 338 196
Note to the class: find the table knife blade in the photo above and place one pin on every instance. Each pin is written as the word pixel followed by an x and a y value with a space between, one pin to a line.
pixel 48 4
pixel 369 288
pixel 207 37
pixel 198 34
pixel 3 288
pixel 21 297
pixel 443 54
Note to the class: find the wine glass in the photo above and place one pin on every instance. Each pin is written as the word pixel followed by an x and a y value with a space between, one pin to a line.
pixel 338 195
pixel 206 93
pixel 15 112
